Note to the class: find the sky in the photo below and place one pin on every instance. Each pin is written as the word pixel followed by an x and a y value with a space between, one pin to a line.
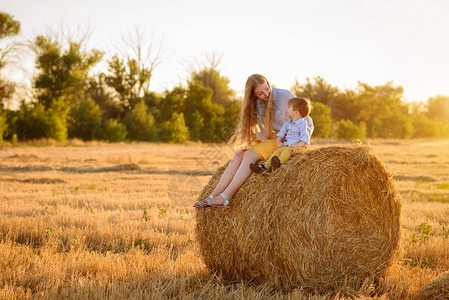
pixel 346 41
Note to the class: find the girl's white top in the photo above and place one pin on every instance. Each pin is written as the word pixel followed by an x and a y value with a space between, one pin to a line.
pixel 280 99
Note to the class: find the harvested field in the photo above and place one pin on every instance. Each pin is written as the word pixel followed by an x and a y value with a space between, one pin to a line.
pixel 115 220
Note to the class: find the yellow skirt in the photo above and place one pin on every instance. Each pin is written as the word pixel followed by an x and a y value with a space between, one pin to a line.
pixel 265 148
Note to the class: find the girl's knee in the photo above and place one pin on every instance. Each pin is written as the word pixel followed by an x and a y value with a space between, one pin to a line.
pixel 238 156
pixel 251 156
pixel 239 153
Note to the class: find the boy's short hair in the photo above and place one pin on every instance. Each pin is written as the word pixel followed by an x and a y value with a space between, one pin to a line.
pixel 302 105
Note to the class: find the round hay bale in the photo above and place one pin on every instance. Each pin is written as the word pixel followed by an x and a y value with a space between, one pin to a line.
pixel 327 220
pixel 437 289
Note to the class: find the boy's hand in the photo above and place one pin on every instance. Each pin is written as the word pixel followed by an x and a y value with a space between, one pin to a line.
pixel 279 144
pixel 295 148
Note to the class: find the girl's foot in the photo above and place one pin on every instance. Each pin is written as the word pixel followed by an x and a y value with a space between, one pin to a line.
pixel 220 201
pixel 204 203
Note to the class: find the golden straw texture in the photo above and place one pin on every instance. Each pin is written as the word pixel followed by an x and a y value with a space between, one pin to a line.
pixel 327 220
pixel 437 289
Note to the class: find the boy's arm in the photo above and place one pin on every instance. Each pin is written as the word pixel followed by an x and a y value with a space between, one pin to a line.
pixel 304 133
pixel 281 134
pixel 282 131
pixel 279 143
pixel 304 138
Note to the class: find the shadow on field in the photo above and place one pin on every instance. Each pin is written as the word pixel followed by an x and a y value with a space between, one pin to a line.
pixel 124 168
pixel 36 180
pixel 416 178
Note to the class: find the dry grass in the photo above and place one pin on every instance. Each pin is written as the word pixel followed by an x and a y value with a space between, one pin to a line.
pixel 437 289
pixel 76 223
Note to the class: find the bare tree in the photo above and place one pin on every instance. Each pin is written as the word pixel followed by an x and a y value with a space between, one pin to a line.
pixel 207 70
pixel 208 60
pixel 9 55
pixel 146 51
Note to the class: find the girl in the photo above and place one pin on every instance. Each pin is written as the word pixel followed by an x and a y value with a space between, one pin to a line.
pixel 262 115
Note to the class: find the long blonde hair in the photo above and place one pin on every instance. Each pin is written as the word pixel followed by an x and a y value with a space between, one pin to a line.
pixel 245 133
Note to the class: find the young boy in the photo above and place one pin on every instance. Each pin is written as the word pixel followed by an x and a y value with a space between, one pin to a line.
pixel 292 136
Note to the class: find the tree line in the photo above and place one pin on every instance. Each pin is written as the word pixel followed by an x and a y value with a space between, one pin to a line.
pixel 70 101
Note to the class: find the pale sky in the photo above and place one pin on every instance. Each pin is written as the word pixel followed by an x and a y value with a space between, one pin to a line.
pixel 404 41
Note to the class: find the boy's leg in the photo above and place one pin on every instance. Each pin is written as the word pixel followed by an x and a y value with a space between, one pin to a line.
pixel 275 153
pixel 285 154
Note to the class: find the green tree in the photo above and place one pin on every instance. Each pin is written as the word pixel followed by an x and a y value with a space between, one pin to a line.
pixel 175 130
pixel 100 93
pixel 318 91
pixel 321 119
pixel 3 125
pixel 31 122
pixel 62 74
pixel 438 108
pixel 231 117
pixel 10 119
pixel 213 80
pixel 381 108
pixel 196 126
pixel 173 101
pixel 34 122
pixel 153 100
pixel 124 78
pixel 210 102
pixel 345 129
pixel 345 106
pixel 7 89
pixel 384 111
pixel 114 131
pixel 198 98
pixel 208 73
pixel 57 122
pixel 426 127
pixel 8 26
pixel 396 126
pixel 85 120
pixel 130 72
pixel 140 123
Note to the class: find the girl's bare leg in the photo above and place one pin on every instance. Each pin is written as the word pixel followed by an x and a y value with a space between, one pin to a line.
pixel 228 174
pixel 240 176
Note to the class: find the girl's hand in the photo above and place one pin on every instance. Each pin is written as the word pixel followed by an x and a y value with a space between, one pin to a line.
pixel 272 135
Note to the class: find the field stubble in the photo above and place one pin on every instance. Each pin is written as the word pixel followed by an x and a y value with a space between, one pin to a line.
pixel 116 221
